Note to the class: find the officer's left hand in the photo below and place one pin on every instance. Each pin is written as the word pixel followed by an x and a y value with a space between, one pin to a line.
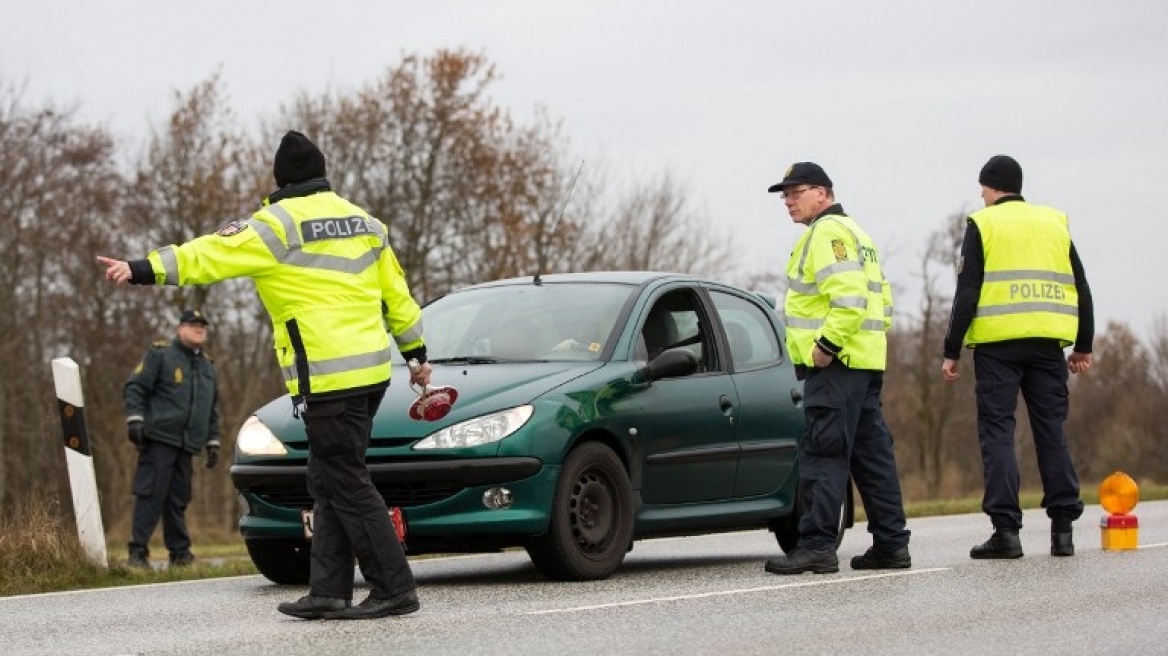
pixel 820 358
pixel 212 455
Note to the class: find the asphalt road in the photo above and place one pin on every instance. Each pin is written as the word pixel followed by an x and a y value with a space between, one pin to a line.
pixel 698 595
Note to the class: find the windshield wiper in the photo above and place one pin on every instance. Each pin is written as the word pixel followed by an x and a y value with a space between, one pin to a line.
pixel 478 359
pixel 466 359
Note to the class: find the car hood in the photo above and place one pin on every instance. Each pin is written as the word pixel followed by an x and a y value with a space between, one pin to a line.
pixel 482 389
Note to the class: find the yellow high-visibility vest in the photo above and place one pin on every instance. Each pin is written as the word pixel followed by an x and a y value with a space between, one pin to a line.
pixel 326 274
pixel 837 289
pixel 1029 286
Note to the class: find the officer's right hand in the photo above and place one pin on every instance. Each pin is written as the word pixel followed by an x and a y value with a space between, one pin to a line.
pixel 136 431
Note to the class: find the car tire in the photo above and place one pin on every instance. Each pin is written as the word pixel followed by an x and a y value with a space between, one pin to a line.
pixel 285 562
pixel 591 518
pixel 786 529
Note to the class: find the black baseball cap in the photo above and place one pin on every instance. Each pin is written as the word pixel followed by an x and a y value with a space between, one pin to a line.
pixel 193 316
pixel 808 173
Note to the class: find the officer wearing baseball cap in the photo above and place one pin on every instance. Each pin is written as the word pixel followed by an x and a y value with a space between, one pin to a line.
pixel 193 316
pixel 802 173
pixel 172 413
pixel 838 309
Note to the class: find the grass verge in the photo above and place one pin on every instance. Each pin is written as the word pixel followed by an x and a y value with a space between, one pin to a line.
pixel 38 553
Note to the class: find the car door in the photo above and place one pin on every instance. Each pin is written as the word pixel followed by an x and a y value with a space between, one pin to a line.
pixel 687 447
pixel 769 412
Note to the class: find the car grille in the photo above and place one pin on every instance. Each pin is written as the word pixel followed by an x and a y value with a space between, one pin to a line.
pixel 401 496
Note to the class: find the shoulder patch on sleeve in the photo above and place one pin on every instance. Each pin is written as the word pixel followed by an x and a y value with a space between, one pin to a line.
pixel 232 228
pixel 839 250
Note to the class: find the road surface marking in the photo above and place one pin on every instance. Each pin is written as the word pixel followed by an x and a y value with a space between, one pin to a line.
pixel 725 593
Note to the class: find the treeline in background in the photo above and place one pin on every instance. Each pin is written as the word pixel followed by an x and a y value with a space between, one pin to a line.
pixel 469 194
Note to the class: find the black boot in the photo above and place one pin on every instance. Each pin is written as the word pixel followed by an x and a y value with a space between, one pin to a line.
pixel 875 558
pixel 1002 544
pixel 139 559
pixel 311 607
pixel 1062 543
pixel 374 607
pixel 804 560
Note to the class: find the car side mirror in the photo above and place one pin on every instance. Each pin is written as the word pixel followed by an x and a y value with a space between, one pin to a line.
pixel 673 363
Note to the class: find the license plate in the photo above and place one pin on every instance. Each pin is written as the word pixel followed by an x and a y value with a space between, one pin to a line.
pixel 395 515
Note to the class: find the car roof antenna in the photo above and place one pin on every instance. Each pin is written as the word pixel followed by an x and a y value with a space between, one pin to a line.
pixel 556 224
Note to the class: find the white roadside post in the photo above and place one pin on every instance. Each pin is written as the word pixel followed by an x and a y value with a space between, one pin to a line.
pixel 79 458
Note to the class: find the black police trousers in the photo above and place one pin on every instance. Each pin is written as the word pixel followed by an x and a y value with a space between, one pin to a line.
pixel 1037 368
pixel 162 487
pixel 349 515
pixel 846 434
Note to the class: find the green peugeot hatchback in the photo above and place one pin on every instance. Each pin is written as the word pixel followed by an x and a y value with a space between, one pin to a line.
pixel 593 410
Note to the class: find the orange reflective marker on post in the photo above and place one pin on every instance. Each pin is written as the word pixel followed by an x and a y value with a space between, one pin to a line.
pixel 1119 494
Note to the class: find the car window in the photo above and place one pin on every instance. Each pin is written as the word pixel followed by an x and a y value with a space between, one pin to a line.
pixel 752 337
pixel 550 321
pixel 675 321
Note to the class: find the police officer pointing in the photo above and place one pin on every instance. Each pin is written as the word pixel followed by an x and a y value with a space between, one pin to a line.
pixel 838 310
pixel 1022 297
pixel 331 283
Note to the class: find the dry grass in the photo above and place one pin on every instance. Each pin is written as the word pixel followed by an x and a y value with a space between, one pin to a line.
pixel 39 553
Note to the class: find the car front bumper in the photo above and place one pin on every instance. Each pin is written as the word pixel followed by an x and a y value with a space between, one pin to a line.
pixel 439 498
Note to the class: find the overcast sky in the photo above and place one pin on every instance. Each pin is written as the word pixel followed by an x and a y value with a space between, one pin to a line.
pixel 900 101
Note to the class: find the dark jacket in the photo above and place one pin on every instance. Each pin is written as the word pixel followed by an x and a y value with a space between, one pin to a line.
pixel 174 390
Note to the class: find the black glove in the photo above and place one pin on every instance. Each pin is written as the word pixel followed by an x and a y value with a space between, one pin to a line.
pixel 136 431
pixel 212 455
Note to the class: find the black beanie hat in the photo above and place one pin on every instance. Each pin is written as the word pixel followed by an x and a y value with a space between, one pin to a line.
pixel 297 160
pixel 1003 173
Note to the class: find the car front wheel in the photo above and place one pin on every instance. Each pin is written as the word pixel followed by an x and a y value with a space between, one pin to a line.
pixel 282 561
pixel 591 519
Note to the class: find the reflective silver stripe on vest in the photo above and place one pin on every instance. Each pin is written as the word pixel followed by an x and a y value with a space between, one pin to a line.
pixel 805 288
pixel 169 264
pixel 297 257
pixel 290 231
pixel 805 324
pixel 1024 274
pixel 832 269
pixel 341 365
pixel 1021 308
pixel 860 302
pixel 876 325
pixel 875 287
pixel 411 335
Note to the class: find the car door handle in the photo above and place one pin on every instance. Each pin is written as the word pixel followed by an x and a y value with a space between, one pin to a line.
pixel 796 395
pixel 726 404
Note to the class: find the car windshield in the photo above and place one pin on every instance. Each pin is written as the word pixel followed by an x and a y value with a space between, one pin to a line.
pixel 549 321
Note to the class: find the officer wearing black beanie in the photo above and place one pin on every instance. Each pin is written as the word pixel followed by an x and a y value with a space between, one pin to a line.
pixel 297 160
pixel 1022 297
pixel 305 248
pixel 1003 173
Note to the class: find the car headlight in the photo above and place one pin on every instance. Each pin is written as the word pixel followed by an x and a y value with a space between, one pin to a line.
pixel 256 439
pixel 480 430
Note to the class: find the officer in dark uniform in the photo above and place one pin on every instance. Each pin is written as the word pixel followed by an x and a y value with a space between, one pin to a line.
pixel 172 412
pixel 1022 297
